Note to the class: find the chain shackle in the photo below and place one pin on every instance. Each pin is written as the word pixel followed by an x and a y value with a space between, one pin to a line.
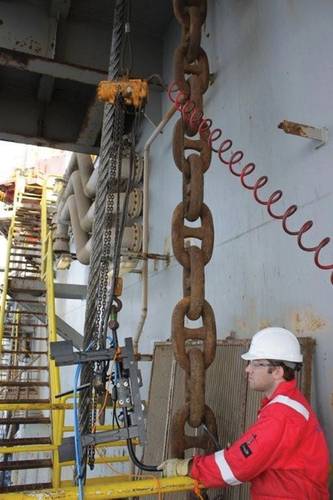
pixel 191 69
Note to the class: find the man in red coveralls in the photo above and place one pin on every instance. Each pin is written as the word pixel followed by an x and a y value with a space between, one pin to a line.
pixel 284 453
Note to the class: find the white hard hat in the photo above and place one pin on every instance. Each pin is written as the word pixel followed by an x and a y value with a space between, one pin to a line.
pixel 274 343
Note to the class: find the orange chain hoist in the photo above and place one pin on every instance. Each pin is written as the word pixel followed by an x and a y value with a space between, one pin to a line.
pixel 134 91
pixel 191 70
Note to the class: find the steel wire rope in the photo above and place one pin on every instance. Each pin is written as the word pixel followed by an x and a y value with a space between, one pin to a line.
pixel 91 317
pixel 126 55
pixel 115 161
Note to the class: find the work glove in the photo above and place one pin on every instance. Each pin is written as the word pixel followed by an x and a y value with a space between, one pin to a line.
pixel 175 467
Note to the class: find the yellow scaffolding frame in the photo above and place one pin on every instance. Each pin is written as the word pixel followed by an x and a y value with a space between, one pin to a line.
pixel 18 186
pixel 118 489
pixel 48 279
pixel 121 486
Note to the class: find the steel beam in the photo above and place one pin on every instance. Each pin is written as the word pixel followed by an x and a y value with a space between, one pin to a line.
pixel 68 291
pixel 66 332
pixel 44 66
pixel 92 123
pixel 49 143
pixel 60 8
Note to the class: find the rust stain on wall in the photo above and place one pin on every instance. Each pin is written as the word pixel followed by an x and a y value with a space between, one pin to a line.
pixel 264 323
pixel 305 322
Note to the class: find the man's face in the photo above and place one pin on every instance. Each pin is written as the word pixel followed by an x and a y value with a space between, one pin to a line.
pixel 259 377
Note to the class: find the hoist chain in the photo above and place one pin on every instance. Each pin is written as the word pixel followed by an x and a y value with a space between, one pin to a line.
pixel 99 339
pixel 191 78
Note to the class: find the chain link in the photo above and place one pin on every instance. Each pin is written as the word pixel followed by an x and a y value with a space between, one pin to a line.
pixel 191 70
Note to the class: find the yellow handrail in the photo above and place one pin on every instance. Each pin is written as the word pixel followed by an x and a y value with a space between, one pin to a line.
pixel 5 283
pixel 47 277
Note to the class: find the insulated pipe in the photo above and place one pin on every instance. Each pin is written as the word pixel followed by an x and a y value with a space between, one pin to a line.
pixel 90 187
pixel 132 239
pixel 82 201
pixel 61 239
pixel 144 298
pixel 72 165
pixel 82 241
pixel 86 169
pixel 81 181
pixel 134 208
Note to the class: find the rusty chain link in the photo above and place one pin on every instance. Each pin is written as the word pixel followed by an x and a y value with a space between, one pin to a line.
pixel 191 70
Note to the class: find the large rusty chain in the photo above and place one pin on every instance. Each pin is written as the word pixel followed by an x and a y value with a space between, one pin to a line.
pixel 192 78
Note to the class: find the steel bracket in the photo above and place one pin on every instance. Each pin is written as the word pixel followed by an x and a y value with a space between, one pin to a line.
pixel 63 354
pixel 306 131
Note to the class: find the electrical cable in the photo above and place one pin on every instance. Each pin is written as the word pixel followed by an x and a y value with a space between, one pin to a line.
pixel 131 452
pixel 136 461
pixel 78 389
pixel 77 437
pixel 212 437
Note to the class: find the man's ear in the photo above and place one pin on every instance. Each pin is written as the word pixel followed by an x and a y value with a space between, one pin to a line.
pixel 278 372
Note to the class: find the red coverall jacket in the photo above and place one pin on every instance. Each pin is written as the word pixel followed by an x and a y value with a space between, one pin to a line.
pixel 284 454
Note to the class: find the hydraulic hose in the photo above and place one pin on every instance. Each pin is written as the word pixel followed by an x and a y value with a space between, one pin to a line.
pixel 133 457
pixel 136 461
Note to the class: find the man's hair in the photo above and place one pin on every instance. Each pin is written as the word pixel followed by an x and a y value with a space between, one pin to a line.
pixel 288 371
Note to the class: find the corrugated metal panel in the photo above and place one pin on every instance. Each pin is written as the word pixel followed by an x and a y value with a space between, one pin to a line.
pixel 227 392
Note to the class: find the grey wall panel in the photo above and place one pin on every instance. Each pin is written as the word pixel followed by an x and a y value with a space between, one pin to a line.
pixel 227 393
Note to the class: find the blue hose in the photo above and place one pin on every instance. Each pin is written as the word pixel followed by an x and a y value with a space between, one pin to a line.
pixel 77 438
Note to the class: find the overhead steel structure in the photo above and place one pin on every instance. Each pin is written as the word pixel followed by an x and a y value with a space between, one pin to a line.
pixel 54 53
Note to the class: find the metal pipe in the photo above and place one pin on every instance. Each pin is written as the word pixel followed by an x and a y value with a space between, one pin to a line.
pixel 144 307
pixel 90 187
pixel 86 170
pixel 104 491
pixel 82 241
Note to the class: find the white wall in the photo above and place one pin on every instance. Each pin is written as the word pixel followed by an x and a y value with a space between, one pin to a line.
pixel 272 62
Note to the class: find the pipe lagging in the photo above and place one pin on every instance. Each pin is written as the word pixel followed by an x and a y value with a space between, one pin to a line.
pixel 145 223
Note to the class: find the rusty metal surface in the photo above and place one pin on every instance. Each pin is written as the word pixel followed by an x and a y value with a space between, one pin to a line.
pixel 293 128
pixel 52 58
pixel 44 66
pixel 25 464
pixel 234 406
pixel 192 74
pixel 25 487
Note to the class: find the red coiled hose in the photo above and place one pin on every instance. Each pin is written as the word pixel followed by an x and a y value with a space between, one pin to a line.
pixel 195 118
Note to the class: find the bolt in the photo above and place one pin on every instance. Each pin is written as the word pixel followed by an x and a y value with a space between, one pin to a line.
pixel 128 400
pixel 121 402
pixel 125 383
